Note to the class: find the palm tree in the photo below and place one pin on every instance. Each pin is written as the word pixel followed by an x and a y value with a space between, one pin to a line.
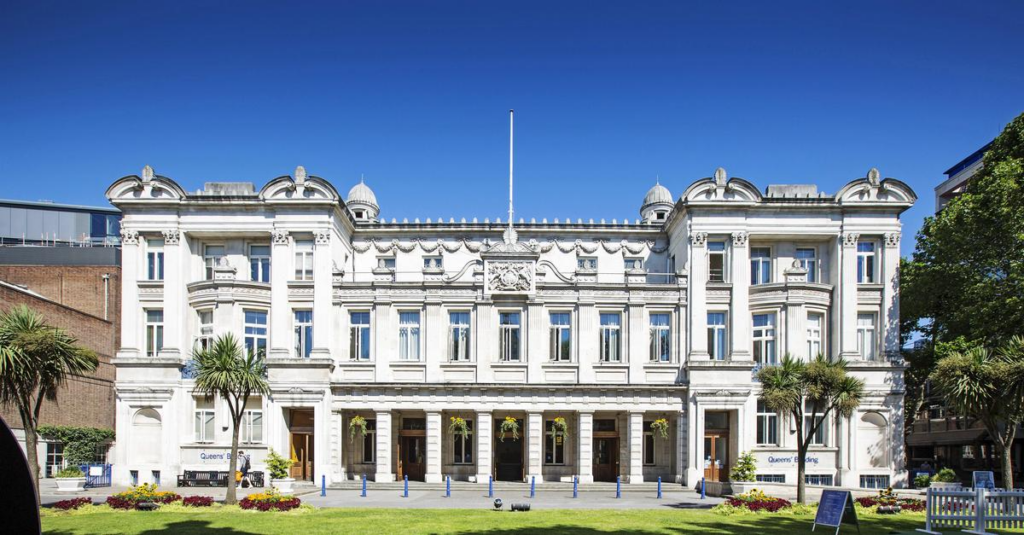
pixel 224 370
pixel 989 387
pixel 36 360
pixel 813 389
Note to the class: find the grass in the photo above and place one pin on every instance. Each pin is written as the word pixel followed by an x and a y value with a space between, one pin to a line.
pixel 233 521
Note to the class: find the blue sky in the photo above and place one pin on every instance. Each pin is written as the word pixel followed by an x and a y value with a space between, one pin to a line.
pixel 414 95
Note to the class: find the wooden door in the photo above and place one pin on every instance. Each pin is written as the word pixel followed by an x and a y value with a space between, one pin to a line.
pixel 606 459
pixel 508 458
pixel 716 456
pixel 414 457
pixel 302 448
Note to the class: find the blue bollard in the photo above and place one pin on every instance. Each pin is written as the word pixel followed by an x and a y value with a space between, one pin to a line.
pixel 490 486
pixel 448 487
pixel 659 487
pixel 702 492
pixel 533 486
pixel 618 486
pixel 575 487
pixel 323 485
pixel 364 487
pixel 405 491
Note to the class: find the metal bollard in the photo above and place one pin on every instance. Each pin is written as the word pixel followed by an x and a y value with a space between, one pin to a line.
pixel 533 486
pixel 659 487
pixel 364 487
pixel 575 487
pixel 323 485
pixel 703 493
pixel 490 486
pixel 448 487
pixel 405 491
pixel 618 486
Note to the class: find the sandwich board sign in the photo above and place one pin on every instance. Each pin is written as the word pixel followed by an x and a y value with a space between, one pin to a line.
pixel 984 480
pixel 835 509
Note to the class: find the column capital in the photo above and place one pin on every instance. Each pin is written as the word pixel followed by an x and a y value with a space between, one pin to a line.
pixel 892 239
pixel 171 236
pixel 850 239
pixel 698 239
pixel 129 237
pixel 280 236
pixel 323 237
pixel 739 239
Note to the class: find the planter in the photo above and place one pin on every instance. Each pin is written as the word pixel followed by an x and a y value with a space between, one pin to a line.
pixel 283 485
pixel 946 486
pixel 70 484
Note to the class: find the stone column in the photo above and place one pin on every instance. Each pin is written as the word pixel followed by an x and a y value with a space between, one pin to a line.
pixel 434 447
pixel 680 450
pixel 585 439
pixel 695 443
pixel 174 295
pixel 639 341
pixel 131 312
pixel 739 319
pixel 535 350
pixel 483 433
pixel 584 339
pixel 323 287
pixel 435 332
pixel 280 267
pixel 889 321
pixel 698 289
pixel 485 334
pixel 636 447
pixel 535 442
pixel 384 339
pixel 847 321
pixel 337 447
pixel 384 472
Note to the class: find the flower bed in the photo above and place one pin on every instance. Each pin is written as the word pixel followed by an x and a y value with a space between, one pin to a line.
pixel 269 501
pixel 197 501
pixel 72 504
pixel 887 497
pixel 130 499
pixel 758 501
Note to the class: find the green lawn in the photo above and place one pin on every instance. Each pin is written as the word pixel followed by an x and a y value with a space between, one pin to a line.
pixel 324 521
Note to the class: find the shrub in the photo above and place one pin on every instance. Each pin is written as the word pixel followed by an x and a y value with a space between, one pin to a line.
pixel 946 475
pixel 73 503
pixel 922 480
pixel 888 497
pixel 69 471
pixel 131 498
pixel 80 443
pixel 757 501
pixel 745 469
pixel 197 501
pixel 272 500
pixel 277 466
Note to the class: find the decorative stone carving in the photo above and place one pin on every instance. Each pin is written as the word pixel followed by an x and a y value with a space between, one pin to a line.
pixel 300 175
pixel 280 237
pixel 892 239
pixel 850 239
pixel 873 177
pixel 129 237
pixel 431 246
pixel 721 177
pixel 739 239
pixel 509 276
pixel 171 236
pixel 699 239
pixel 147 174
pixel 323 237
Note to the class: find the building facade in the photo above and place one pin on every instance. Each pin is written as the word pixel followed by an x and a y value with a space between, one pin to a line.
pixel 641 337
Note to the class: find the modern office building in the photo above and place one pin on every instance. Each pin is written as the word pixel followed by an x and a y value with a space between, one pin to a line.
pixel 47 223
pixel 618 329
pixel 958 176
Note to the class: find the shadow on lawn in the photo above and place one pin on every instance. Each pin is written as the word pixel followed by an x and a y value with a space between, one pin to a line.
pixel 748 525
pixel 186 527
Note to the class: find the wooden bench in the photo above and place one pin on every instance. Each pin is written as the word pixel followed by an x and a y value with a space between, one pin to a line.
pixel 214 478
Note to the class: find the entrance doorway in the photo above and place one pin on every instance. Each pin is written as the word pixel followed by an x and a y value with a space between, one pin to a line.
pixel 300 427
pixel 716 456
pixel 412 449
pixel 606 459
pixel 508 456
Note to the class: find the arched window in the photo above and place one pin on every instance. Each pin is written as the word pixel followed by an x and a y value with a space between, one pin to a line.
pixel 146 441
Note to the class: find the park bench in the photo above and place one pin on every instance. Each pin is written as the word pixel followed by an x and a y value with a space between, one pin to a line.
pixel 213 478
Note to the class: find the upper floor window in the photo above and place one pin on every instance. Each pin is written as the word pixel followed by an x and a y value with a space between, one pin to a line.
pixel 764 339
pixel 458 336
pixel 409 335
pixel 204 422
pixel 716 335
pixel 634 263
pixel 807 259
pixel 509 324
pixel 212 255
pixel 359 340
pixel 303 333
pixel 611 341
pixel 463 446
pixel 716 261
pixel 661 336
pixel 814 327
pixel 561 336
pixel 865 262
pixel 386 262
pixel 256 332
pixel 866 343
pixel 586 263
pixel 767 426
pixel 303 260
pixel 205 339
pixel 252 427
pixel 259 263
pixel 154 332
pixel 433 262
pixel 760 265
pixel 155 260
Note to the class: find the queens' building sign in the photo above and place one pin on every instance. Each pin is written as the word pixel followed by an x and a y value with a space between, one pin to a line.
pixel 597 349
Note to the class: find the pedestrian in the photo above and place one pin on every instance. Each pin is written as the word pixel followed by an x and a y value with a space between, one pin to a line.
pixel 243 468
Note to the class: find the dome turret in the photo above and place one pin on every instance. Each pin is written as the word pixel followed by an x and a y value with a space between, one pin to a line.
pixel 362 203
pixel 657 204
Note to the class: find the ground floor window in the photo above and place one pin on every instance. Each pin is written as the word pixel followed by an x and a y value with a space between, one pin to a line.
pixel 554 445
pixel 771 478
pixel 820 480
pixel 874 482
pixel 370 442
pixel 463 446
pixel 648 443
pixel 54 458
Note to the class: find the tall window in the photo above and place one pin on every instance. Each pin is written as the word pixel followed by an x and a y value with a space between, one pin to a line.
pixel 611 342
pixel 661 336
pixel 212 255
pixel 716 335
pixel 561 336
pixel 463 445
pixel 256 332
pixel 154 332
pixel 458 336
pixel 554 444
pixel 155 260
pixel 716 261
pixel 509 324
pixel 252 426
pixel 814 324
pixel 359 339
pixel 866 344
pixel 409 335
pixel 820 437
pixel 205 338
pixel 764 339
pixel 807 259
pixel 204 422
pixel 303 333
pixel 767 426
pixel 303 260
pixel 259 263
pixel 648 444
pixel 865 262
pixel 760 265
pixel 370 442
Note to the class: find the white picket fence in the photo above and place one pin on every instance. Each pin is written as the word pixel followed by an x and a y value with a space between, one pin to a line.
pixel 974 510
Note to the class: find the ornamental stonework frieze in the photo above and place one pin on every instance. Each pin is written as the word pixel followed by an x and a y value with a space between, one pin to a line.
pixel 452 246
pixel 171 236
pixel 509 276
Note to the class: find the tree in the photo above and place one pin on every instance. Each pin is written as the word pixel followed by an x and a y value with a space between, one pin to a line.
pixel 812 391
pixel 989 387
pixel 36 360
pixel 225 370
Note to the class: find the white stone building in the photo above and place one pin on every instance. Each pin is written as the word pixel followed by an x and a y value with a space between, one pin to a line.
pixel 611 325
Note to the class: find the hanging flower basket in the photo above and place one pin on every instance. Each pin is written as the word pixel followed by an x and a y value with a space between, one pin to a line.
pixel 560 427
pixel 510 425
pixel 357 425
pixel 457 426
pixel 660 427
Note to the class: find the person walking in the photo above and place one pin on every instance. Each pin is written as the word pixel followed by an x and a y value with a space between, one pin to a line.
pixel 243 469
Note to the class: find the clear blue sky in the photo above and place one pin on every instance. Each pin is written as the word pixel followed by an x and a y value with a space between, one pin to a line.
pixel 415 96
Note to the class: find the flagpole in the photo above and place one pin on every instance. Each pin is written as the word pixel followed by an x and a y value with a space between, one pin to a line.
pixel 510 138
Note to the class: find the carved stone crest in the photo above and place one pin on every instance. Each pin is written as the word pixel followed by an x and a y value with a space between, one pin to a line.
pixel 509 276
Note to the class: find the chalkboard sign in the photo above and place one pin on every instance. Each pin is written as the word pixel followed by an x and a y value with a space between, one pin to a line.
pixel 834 509
pixel 984 480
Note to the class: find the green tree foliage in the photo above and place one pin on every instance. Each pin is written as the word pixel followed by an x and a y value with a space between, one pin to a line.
pixel 745 468
pixel 36 360
pixel 80 443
